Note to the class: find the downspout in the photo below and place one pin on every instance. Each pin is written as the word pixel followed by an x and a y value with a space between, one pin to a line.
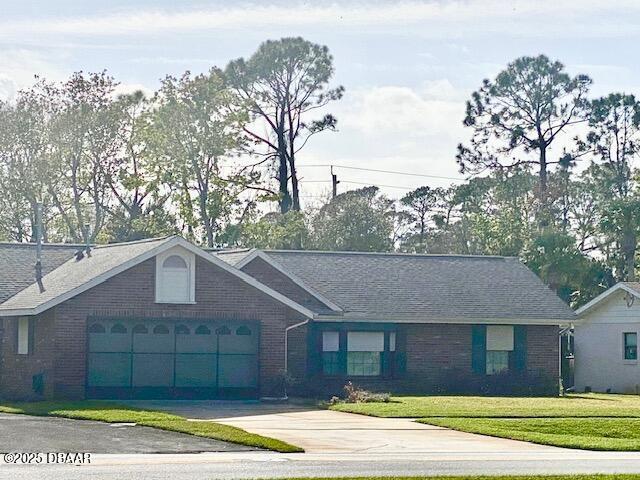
pixel 286 351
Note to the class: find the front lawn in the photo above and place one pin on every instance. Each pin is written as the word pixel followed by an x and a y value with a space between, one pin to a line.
pixel 115 413
pixel 484 477
pixel 621 434
pixel 589 421
pixel 584 405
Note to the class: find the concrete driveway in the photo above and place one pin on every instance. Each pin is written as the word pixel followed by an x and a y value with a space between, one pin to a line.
pixel 326 431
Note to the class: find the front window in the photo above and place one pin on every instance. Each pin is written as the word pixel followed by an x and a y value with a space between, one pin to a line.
pixel 497 361
pixel 631 346
pixel 331 353
pixel 363 364
pixel 499 347
pixel 363 353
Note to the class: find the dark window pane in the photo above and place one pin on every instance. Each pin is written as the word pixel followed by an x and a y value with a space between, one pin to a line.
pixel 118 328
pixel 96 328
pixel 330 363
pixel 140 328
pixel 160 329
pixel 631 346
pixel 243 330
pixel 203 330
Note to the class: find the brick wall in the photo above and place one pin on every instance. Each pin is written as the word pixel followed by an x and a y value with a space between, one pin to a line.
pixel 219 295
pixel 543 350
pixel 437 359
pixel 265 273
pixel 17 371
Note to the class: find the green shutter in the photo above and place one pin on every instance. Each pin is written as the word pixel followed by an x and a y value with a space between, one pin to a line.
pixel 479 349
pixel 519 348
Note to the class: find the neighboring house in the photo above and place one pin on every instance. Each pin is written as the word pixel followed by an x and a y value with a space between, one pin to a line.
pixel 606 341
pixel 164 318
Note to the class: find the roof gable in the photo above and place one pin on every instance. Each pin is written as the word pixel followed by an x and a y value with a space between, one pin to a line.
pixel 76 276
pixel 256 255
pixel 631 288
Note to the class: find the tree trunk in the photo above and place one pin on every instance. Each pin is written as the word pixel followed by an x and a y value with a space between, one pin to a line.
pixel 543 211
pixel 629 250
pixel 294 184
pixel 283 172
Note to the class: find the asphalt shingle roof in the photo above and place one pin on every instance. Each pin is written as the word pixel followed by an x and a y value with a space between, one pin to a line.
pixel 17 264
pixel 74 273
pixel 400 287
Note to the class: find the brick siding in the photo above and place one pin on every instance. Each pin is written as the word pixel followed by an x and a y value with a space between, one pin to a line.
pixel 17 371
pixel 219 295
pixel 437 359
pixel 265 273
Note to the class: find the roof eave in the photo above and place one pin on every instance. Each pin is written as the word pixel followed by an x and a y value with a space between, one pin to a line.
pixel 169 243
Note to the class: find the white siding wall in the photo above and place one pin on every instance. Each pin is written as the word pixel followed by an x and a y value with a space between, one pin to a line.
pixel 599 357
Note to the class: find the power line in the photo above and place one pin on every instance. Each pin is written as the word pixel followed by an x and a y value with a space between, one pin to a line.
pixel 359 183
pixel 386 171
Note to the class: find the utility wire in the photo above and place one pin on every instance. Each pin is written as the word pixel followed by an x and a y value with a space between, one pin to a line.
pixel 385 171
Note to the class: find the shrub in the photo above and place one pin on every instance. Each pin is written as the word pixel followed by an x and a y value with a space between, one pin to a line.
pixel 353 394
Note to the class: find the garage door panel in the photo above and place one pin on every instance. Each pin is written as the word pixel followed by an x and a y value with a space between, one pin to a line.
pixel 195 343
pixel 152 370
pixel 186 358
pixel 238 371
pixel 238 344
pixel 109 342
pixel 109 370
pixel 195 370
pixel 153 343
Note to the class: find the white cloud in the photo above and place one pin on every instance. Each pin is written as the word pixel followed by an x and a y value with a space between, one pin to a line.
pixel 18 68
pixel 450 18
pixel 433 110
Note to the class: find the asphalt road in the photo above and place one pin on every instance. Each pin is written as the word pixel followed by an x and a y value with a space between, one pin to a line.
pixel 22 433
pixel 271 465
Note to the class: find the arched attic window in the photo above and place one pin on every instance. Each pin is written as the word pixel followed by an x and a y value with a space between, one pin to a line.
pixel 175 277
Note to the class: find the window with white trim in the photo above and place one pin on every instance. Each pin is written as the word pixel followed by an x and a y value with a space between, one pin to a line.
pixel 499 346
pixel 175 277
pixel 24 336
pixel 363 353
pixel 630 345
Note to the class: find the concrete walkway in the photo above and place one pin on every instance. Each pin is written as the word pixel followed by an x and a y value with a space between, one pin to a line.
pixel 326 431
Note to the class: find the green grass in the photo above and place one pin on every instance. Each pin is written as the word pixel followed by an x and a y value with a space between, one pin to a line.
pixel 115 413
pixel 483 477
pixel 585 405
pixel 589 421
pixel 618 434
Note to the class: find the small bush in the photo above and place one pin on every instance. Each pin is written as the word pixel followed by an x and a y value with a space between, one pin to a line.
pixel 353 394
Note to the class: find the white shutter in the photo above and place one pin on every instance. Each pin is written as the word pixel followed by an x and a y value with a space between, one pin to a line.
pixel 500 337
pixel 23 335
pixel 330 341
pixel 365 341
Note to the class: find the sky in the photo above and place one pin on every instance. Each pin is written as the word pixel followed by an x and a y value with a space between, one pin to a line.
pixel 407 67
